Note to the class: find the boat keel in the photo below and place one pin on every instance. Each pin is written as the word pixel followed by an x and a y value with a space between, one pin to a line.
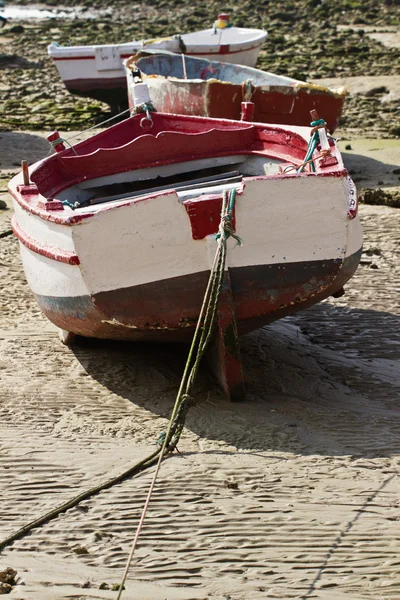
pixel 224 351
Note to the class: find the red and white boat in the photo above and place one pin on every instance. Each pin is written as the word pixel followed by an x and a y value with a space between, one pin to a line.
pixel 195 86
pixel 117 234
pixel 97 71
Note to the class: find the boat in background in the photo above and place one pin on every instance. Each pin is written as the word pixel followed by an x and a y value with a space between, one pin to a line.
pixel 195 86
pixel 118 233
pixel 97 71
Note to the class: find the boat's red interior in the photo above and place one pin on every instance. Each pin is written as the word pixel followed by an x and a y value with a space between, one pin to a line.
pixel 172 139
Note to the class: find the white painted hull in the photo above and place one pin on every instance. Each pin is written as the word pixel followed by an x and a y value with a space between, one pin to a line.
pixel 96 70
pixel 155 243
pixel 133 258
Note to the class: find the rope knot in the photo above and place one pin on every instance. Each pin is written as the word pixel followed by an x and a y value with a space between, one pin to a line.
pixel 161 439
pixel 225 229
pixel 188 399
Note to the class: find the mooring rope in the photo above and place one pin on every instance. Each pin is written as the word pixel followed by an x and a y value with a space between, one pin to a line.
pixel 168 441
pixel 201 338
pixel 312 144
pixel 97 125
pixel 61 140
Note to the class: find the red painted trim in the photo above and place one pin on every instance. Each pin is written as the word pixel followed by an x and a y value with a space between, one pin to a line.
pixel 218 50
pixel 44 214
pixel 224 49
pixel 55 254
pixel 205 215
pixel 175 138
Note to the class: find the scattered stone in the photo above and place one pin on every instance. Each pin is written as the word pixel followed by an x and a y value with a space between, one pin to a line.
pixel 348 147
pixel 115 587
pixel 3 205
pixel 5 588
pixel 99 535
pixel 17 29
pixel 231 485
pixel 377 90
pixel 86 585
pixel 374 251
pixel 79 550
pixel 379 197
pixel 8 576
pixel 104 586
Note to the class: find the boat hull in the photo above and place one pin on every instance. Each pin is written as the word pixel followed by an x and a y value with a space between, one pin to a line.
pixel 97 71
pixel 118 234
pixel 148 281
pixel 217 90
pixel 136 266
pixel 262 294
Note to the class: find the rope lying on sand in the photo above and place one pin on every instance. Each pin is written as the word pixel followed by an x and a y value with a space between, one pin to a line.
pixel 201 338
pixel 184 400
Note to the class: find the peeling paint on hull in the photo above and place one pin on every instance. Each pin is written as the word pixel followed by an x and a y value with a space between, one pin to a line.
pixel 216 89
pixel 167 310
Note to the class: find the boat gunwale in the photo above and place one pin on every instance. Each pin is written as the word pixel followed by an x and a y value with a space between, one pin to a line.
pixel 78 52
pixel 166 119
pixel 69 219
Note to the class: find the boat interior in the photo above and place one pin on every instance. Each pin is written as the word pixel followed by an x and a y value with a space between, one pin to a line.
pixel 189 179
pixel 191 155
pixel 187 68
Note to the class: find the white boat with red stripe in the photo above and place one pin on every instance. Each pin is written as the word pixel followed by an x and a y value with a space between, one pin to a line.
pixel 97 71
pixel 117 234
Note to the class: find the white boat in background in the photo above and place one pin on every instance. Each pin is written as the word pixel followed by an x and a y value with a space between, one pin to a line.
pixel 98 72
pixel 194 86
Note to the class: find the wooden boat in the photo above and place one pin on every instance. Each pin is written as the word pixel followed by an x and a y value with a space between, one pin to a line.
pixel 195 86
pixel 97 71
pixel 117 233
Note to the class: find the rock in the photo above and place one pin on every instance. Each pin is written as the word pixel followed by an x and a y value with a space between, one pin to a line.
pixel 17 29
pixel 8 576
pixel 3 206
pixel 348 147
pixel 374 251
pixel 231 485
pixel 104 586
pixel 5 588
pixel 379 197
pixel 79 550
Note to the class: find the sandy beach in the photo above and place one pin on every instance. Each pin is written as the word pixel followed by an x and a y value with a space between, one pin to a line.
pixel 292 494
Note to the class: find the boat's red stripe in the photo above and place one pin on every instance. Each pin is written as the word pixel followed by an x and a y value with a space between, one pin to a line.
pixel 221 50
pixel 49 251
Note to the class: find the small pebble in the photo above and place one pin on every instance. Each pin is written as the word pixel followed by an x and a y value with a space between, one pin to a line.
pixel 5 588
pixel 8 576
pixel 104 586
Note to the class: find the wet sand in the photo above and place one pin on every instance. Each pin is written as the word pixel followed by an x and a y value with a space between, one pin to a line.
pixel 291 494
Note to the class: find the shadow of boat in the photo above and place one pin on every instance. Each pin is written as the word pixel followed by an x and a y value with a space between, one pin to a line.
pixel 18 146
pixel 323 382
